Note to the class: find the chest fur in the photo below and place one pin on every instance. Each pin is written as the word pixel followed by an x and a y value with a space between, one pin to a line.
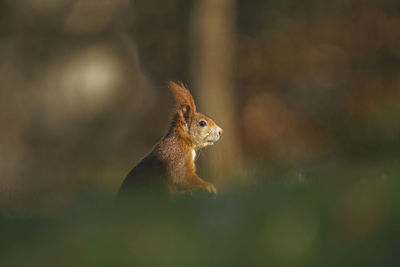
pixel 193 155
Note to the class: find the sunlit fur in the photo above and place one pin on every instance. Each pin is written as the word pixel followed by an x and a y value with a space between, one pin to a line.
pixel 199 136
pixel 171 162
pixel 206 135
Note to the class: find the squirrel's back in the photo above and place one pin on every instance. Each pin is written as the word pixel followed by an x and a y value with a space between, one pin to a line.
pixel 149 174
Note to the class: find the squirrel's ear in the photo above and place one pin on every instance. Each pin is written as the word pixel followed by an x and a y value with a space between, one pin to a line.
pixel 185 113
pixel 183 98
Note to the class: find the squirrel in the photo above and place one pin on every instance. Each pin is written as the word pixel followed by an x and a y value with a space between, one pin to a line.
pixel 171 164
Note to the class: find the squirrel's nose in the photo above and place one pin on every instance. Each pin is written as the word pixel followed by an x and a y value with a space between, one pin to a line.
pixel 220 131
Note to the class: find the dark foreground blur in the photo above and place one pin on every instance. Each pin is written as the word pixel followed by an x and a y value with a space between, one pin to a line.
pixel 319 223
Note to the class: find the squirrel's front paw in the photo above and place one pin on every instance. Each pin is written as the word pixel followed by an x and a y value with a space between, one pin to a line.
pixel 210 188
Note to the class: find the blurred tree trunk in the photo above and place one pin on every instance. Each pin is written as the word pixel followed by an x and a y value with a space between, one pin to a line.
pixel 213 43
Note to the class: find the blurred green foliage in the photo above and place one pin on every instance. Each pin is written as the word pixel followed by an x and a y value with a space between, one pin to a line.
pixel 320 223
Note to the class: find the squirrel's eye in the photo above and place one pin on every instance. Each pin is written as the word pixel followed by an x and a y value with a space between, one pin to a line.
pixel 202 123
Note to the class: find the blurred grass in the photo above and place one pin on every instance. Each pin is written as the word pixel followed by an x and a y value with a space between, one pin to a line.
pixel 336 215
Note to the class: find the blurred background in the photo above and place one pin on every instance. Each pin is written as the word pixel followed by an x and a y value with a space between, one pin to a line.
pixel 307 92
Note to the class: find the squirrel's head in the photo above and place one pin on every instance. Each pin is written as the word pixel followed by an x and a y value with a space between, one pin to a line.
pixel 194 126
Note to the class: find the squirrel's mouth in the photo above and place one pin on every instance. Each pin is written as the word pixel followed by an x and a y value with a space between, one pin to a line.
pixel 212 141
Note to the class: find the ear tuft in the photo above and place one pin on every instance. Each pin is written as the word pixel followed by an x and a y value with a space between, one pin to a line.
pixel 182 96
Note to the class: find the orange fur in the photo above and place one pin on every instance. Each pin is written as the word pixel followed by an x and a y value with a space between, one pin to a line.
pixel 170 165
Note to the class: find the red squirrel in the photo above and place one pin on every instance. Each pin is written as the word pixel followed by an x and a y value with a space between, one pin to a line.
pixel 171 163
